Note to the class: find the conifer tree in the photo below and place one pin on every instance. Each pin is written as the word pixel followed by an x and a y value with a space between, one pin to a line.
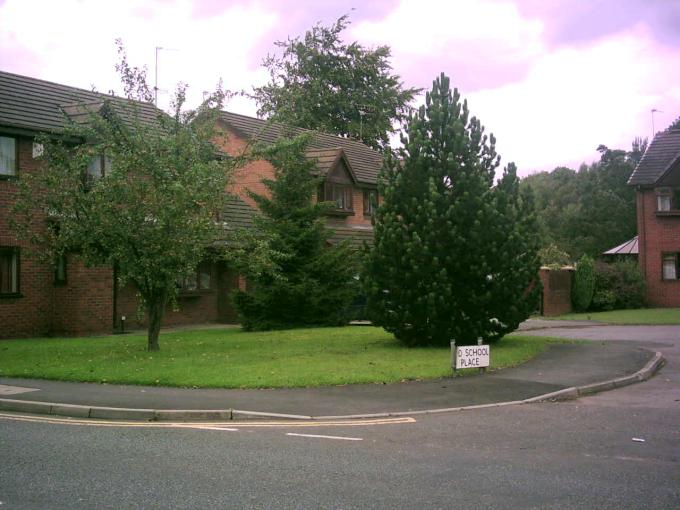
pixel 304 281
pixel 455 257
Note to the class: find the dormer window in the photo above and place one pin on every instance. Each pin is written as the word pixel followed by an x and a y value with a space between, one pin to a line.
pixel 339 194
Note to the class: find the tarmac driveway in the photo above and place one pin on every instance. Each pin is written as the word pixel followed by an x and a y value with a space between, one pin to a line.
pixel 660 335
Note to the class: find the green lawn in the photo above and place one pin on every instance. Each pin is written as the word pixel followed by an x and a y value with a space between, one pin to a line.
pixel 637 316
pixel 230 358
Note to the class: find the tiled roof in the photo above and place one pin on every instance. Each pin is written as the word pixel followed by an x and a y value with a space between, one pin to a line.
pixel 325 158
pixel 355 235
pixel 37 105
pixel 364 161
pixel 628 248
pixel 237 214
pixel 659 157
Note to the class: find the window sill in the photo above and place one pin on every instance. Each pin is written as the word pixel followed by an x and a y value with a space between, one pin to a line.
pixel 194 293
pixel 340 212
pixel 14 295
pixel 8 177
pixel 674 212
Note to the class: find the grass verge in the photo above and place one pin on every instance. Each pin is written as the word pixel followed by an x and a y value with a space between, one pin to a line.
pixel 640 316
pixel 230 358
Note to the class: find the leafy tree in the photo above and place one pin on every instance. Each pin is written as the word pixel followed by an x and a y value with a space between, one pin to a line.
pixel 590 210
pixel 306 282
pixel 584 284
pixel 150 214
pixel 321 83
pixel 454 257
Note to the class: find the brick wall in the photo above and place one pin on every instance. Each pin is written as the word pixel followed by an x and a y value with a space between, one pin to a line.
pixel 201 307
pixel 657 235
pixel 30 314
pixel 251 175
pixel 82 306
pixel 556 298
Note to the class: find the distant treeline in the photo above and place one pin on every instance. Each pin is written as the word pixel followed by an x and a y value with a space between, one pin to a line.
pixel 589 210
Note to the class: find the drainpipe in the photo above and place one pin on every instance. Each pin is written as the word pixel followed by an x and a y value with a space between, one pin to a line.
pixel 642 237
pixel 115 295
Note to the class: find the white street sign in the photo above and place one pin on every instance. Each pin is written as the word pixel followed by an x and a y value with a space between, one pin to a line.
pixel 472 356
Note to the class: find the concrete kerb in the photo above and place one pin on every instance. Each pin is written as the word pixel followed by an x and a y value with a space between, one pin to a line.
pixel 183 415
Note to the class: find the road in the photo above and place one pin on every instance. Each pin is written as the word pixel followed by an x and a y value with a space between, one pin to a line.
pixel 615 450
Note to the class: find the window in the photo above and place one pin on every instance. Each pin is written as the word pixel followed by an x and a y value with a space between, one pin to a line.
pixel 667 199
pixel 8 156
pixel 663 199
pixel 340 194
pixel 9 271
pixel 60 270
pixel 97 168
pixel 370 201
pixel 670 266
pixel 198 281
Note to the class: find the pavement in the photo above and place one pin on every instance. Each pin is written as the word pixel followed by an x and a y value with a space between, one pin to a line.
pixel 563 371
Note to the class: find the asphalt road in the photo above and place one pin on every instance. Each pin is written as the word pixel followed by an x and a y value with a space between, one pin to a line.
pixel 585 453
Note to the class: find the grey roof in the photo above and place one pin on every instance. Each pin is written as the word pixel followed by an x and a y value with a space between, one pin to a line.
pixel 355 235
pixel 364 161
pixel 657 160
pixel 630 247
pixel 34 105
pixel 237 214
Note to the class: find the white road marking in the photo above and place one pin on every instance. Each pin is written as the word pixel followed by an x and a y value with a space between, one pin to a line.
pixel 325 437
pixel 207 427
pixel 14 390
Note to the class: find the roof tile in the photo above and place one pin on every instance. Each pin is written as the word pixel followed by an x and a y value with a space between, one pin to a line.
pixel 365 162
pixel 658 158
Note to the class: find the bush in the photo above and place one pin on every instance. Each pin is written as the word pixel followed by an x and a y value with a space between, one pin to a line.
pixel 554 258
pixel 618 285
pixel 584 284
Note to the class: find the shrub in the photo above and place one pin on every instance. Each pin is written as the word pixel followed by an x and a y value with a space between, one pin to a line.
pixel 584 284
pixel 554 258
pixel 618 285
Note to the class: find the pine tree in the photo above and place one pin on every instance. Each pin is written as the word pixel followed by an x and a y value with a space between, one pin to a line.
pixel 306 281
pixel 455 258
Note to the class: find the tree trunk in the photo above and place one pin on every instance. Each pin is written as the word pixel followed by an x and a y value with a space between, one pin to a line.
pixel 155 310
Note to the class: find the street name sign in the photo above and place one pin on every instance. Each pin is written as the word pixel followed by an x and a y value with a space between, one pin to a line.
pixel 472 356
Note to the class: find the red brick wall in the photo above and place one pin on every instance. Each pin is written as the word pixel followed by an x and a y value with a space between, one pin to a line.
pixel 82 306
pixel 657 235
pixel 30 314
pixel 192 308
pixel 556 298
pixel 250 178
pixel 85 304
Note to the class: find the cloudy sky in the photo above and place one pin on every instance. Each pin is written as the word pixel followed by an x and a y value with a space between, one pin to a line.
pixel 552 79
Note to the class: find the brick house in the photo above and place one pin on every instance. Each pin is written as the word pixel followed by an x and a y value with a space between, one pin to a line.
pixel 657 182
pixel 67 298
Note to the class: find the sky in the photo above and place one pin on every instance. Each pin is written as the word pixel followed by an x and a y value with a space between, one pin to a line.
pixel 551 79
